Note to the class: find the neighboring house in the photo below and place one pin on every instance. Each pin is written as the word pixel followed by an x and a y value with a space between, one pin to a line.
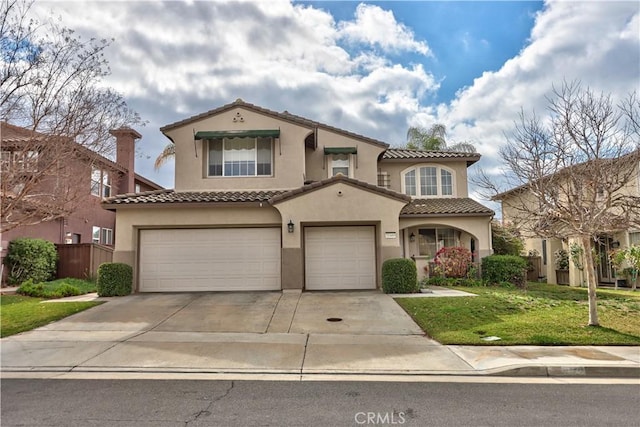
pixel 512 213
pixel 93 177
pixel 267 201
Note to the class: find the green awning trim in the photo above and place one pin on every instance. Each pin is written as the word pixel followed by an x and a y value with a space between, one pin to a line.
pixel 216 134
pixel 340 150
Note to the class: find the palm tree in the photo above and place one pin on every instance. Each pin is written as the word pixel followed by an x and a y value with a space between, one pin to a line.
pixel 169 152
pixel 434 139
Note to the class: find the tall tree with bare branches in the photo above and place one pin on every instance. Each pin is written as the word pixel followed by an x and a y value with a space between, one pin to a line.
pixel 574 172
pixel 51 83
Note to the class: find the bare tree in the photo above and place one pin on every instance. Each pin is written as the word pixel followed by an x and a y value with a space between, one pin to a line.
pixel 51 84
pixel 574 174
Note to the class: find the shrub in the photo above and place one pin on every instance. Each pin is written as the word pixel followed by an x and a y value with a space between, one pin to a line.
pixel 497 269
pixel 114 279
pixel 453 261
pixel 399 276
pixel 506 239
pixel 40 290
pixel 33 259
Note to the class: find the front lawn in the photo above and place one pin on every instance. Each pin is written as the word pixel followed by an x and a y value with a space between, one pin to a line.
pixel 542 315
pixel 19 313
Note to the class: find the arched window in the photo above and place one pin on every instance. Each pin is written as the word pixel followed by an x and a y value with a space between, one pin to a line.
pixel 428 181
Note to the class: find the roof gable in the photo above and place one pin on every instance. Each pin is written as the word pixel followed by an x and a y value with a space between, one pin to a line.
pixel 309 188
pixel 285 116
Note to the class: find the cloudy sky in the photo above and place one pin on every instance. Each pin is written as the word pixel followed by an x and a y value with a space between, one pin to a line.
pixel 373 68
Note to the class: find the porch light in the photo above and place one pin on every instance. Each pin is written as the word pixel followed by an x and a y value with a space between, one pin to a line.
pixel 412 237
pixel 290 226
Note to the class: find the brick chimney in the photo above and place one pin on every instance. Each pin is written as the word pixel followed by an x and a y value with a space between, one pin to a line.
pixel 125 157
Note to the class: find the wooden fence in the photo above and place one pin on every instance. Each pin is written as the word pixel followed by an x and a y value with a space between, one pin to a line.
pixel 82 260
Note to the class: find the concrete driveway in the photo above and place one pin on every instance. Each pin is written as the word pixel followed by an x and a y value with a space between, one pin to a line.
pixel 259 332
pixel 367 312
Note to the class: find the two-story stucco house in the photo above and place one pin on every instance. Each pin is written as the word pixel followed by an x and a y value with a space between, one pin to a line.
pixel 267 201
pixel 518 203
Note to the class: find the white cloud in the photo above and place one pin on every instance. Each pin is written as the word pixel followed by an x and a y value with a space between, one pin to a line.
pixel 594 42
pixel 171 60
pixel 376 26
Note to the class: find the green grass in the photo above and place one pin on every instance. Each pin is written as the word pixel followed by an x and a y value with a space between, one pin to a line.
pixel 57 288
pixel 19 313
pixel 542 315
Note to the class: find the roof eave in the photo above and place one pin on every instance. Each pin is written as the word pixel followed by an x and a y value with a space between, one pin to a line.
pixel 440 215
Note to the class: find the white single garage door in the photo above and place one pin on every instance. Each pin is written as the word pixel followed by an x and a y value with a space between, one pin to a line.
pixel 340 258
pixel 225 259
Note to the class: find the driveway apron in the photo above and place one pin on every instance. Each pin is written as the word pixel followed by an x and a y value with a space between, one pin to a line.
pixel 258 332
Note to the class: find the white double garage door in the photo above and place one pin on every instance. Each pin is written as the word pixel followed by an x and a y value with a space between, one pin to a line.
pixel 249 259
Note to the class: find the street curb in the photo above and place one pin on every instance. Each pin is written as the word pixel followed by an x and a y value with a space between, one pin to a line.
pixel 519 371
pixel 567 371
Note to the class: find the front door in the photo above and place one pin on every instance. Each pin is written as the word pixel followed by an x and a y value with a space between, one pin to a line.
pixel 606 273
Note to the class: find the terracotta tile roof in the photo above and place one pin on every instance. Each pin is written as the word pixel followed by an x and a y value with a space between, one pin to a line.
pixel 406 154
pixel 311 124
pixel 172 196
pixel 339 178
pixel 445 206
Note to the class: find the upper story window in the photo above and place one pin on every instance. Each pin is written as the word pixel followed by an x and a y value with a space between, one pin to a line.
pixel 384 179
pixel 428 181
pixel 240 157
pixel 20 161
pixel 339 163
pixel 100 182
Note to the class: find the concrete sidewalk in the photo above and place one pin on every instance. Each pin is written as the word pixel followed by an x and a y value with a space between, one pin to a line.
pixel 118 338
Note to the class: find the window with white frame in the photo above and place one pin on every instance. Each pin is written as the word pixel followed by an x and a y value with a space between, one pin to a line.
pixel 102 236
pixel 428 181
pixel 339 163
pixel 21 161
pixel 431 240
pixel 634 238
pixel 95 235
pixel 240 157
pixel 100 182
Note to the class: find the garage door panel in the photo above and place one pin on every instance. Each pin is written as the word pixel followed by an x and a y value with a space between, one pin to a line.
pixel 340 258
pixel 178 260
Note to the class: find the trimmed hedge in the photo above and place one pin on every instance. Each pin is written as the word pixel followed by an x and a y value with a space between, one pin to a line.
pixel 30 259
pixel 399 276
pixel 114 279
pixel 497 269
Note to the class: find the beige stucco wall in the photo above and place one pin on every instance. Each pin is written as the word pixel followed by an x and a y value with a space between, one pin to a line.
pixel 288 153
pixel 395 170
pixel 471 227
pixel 338 204
pixel 363 165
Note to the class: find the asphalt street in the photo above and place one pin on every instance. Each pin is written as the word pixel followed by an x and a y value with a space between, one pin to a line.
pixel 36 402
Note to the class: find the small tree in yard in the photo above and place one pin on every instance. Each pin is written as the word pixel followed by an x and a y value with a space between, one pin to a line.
pixel 572 171
pixel 51 85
